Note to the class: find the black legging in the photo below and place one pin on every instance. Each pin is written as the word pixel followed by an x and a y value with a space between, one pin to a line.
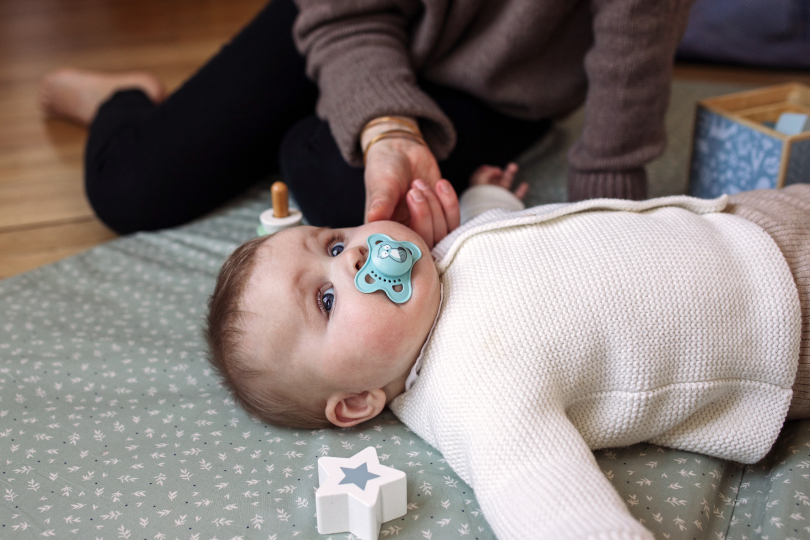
pixel 246 113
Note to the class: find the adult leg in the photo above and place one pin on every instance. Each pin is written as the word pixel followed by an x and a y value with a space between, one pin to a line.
pixel 785 215
pixel 153 166
pixel 332 193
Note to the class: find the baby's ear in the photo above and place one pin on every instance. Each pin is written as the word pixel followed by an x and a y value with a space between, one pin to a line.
pixel 344 409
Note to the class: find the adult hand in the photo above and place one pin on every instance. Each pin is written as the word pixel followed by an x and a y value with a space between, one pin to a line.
pixel 392 165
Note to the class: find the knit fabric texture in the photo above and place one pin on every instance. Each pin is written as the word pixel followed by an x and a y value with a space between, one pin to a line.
pixel 529 59
pixel 785 215
pixel 630 184
pixel 582 328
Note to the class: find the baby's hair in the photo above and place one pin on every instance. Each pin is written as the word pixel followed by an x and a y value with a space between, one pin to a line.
pixel 272 403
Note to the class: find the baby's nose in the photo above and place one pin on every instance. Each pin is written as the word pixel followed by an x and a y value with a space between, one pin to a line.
pixel 360 258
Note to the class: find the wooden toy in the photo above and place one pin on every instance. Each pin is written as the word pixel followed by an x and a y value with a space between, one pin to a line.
pixel 358 495
pixel 280 216
pixel 792 123
pixel 737 146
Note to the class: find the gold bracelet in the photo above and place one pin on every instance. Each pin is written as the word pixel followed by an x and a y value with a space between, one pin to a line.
pixel 382 119
pixel 389 134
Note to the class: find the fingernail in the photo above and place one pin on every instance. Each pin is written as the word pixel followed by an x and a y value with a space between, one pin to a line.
pixel 420 184
pixel 417 195
pixel 444 186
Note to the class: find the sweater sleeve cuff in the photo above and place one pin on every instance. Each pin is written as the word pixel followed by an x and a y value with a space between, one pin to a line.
pixel 384 98
pixel 628 184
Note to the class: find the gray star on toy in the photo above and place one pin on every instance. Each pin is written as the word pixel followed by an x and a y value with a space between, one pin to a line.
pixel 358 476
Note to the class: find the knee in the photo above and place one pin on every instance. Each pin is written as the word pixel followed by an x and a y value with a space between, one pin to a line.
pixel 299 145
pixel 123 196
pixel 329 191
pixel 119 213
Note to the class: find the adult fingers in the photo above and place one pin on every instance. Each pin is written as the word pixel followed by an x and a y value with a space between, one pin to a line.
pixel 436 211
pixel 391 166
pixel 449 201
pixel 421 216
pixel 380 205
pixel 386 182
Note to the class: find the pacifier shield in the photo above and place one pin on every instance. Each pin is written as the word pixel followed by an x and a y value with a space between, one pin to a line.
pixel 388 268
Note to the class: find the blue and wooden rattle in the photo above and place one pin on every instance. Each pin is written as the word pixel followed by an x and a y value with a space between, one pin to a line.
pixel 388 268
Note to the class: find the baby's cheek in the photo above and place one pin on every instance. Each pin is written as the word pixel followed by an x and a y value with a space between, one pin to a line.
pixel 379 338
pixel 380 350
pixel 377 325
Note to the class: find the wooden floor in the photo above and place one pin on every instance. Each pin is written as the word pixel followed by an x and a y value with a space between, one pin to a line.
pixel 44 215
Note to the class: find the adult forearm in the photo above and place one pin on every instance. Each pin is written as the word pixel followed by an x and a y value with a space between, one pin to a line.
pixel 359 56
pixel 629 72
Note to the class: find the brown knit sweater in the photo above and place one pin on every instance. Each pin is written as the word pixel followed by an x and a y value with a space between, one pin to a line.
pixel 531 59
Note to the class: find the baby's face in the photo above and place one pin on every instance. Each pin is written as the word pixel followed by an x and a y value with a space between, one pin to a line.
pixel 334 337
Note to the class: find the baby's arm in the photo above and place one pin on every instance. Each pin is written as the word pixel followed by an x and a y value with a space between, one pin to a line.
pixel 546 483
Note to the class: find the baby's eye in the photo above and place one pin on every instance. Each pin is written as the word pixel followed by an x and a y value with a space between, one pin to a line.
pixel 336 249
pixel 328 299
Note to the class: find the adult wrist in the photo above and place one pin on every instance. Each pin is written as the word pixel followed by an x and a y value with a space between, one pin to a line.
pixel 389 127
pixel 381 124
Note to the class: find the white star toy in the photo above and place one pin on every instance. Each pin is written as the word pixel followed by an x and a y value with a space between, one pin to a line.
pixel 358 495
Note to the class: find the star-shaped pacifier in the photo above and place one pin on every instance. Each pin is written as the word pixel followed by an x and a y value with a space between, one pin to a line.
pixel 388 268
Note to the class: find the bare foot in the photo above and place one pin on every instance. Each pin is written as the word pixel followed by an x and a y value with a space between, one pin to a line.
pixel 76 95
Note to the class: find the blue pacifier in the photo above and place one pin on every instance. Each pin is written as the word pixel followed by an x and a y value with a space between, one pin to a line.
pixel 388 268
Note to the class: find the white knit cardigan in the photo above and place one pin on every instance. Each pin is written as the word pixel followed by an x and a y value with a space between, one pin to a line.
pixel 567 328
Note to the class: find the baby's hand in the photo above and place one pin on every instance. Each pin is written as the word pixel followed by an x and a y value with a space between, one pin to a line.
pixel 434 214
pixel 495 176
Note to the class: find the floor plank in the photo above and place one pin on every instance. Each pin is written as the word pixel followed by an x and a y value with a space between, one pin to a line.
pixel 44 214
pixel 29 248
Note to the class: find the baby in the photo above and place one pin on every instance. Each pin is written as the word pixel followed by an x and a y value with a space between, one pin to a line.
pixel 533 337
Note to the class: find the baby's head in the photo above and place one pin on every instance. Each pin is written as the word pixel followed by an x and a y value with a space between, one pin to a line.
pixel 295 340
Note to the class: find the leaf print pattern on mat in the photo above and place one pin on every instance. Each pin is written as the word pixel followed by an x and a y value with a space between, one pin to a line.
pixel 112 424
